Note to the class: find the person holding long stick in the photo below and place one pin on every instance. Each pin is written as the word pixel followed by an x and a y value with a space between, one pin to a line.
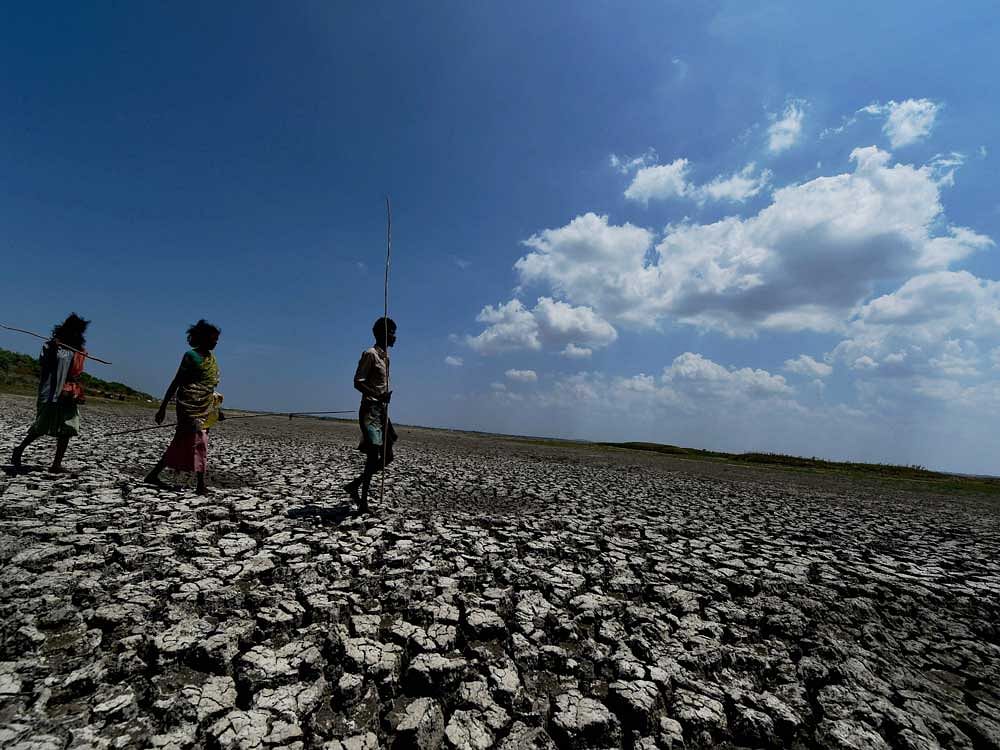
pixel 197 405
pixel 377 434
pixel 59 390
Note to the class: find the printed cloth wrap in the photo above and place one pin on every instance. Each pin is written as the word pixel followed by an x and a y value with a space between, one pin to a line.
pixel 197 405
pixel 59 392
pixel 198 377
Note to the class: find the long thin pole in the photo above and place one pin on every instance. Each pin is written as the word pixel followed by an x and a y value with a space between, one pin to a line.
pixel 385 323
pixel 230 419
pixel 64 346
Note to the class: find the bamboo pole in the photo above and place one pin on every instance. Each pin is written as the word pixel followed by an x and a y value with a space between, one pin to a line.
pixel 49 338
pixel 385 323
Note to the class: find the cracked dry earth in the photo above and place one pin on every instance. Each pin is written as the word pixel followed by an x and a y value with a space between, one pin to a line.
pixel 506 595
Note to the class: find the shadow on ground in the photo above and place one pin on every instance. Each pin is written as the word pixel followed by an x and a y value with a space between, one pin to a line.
pixel 335 515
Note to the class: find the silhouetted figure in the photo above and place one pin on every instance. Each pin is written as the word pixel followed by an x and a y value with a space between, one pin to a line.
pixel 197 407
pixel 59 390
pixel 377 434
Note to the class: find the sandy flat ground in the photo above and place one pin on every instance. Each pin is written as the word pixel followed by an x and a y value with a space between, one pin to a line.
pixel 504 595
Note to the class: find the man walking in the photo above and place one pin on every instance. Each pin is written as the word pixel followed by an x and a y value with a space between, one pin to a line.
pixel 377 434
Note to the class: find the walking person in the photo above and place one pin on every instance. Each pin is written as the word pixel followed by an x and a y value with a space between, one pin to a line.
pixel 194 386
pixel 377 434
pixel 59 390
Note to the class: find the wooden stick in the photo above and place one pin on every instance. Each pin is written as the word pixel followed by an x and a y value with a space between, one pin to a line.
pixel 230 419
pixel 60 343
pixel 385 323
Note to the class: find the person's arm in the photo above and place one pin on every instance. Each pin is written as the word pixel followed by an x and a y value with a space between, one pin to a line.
pixel 361 379
pixel 361 376
pixel 161 413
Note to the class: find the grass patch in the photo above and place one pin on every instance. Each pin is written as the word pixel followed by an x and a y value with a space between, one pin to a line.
pixel 889 470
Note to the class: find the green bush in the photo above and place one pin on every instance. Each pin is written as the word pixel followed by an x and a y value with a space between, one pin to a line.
pixel 19 372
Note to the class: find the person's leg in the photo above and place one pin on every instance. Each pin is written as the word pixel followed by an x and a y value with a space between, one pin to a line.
pixel 351 488
pixel 62 443
pixel 153 477
pixel 200 460
pixel 15 457
pixel 368 440
pixel 371 466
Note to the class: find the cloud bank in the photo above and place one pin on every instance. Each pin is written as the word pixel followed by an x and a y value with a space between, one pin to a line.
pixel 861 263
pixel 803 262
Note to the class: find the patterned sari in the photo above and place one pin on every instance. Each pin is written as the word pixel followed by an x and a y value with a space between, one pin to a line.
pixel 196 399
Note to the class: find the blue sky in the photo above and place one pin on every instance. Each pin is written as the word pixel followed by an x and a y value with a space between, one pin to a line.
pixel 729 225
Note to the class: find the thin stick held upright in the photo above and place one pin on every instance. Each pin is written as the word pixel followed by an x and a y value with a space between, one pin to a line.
pixel 385 323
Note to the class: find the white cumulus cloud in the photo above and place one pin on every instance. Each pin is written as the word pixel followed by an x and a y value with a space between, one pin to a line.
pixel 907 121
pixel 453 361
pixel 660 181
pixel 626 164
pixel 737 187
pixel 589 258
pixel 936 324
pixel 691 384
pixel 663 181
pixel 511 326
pixel 806 365
pixel 561 322
pixel 784 131
pixel 577 352
pixel 551 324
pixel 693 373
pixel 804 262
pixel 522 376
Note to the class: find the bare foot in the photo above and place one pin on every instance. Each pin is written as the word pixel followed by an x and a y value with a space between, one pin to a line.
pixel 58 470
pixel 15 457
pixel 202 491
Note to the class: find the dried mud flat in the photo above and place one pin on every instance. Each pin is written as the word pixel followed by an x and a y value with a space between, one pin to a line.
pixel 507 595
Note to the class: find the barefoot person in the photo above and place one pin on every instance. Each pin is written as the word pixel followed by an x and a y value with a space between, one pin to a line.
pixel 59 390
pixel 194 385
pixel 377 434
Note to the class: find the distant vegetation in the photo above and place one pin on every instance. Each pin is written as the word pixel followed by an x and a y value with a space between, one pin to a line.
pixel 19 374
pixel 780 459
pixel 913 474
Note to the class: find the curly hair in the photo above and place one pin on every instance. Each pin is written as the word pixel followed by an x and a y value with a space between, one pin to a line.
pixel 71 330
pixel 201 333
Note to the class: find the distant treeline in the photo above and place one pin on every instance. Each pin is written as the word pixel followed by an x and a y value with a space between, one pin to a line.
pixel 19 373
pixel 780 459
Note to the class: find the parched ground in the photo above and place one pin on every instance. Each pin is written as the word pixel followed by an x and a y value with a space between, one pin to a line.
pixel 505 595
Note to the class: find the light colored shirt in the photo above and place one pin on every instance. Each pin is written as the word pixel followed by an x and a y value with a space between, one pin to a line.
pixel 373 371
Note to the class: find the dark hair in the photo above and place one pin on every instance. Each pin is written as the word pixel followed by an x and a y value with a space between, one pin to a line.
pixel 379 327
pixel 70 331
pixel 202 332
